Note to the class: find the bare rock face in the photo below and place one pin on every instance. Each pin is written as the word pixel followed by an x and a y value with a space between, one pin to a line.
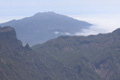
pixel 8 39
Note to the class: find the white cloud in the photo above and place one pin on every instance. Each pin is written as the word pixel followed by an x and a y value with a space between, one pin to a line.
pixel 102 23
pixel 56 32
pixel 93 30
pixel 62 33
pixel 67 33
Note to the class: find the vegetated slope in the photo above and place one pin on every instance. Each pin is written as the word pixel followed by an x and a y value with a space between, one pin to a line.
pixel 91 57
pixel 21 63
pixel 44 26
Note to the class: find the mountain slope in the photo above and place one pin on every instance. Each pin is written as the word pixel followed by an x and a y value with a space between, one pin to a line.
pixel 15 62
pixel 21 63
pixel 44 26
pixel 92 57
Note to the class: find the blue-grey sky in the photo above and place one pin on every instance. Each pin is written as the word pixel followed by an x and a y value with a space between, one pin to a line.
pixel 68 7
pixel 89 10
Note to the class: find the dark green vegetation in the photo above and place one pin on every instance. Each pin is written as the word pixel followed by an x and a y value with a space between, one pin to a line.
pixel 43 26
pixel 64 58
pixel 91 58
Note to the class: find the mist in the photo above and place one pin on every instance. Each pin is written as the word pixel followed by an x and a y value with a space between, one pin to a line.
pixel 102 23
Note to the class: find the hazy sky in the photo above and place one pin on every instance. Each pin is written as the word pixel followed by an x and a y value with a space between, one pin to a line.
pixel 29 7
pixel 106 11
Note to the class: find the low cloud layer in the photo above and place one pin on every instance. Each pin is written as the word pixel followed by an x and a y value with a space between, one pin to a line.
pixel 101 23
pixel 61 33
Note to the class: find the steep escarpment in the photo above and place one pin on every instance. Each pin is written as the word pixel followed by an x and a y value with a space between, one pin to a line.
pixel 8 39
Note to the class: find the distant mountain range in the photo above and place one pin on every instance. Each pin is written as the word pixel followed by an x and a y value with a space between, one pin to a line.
pixel 44 26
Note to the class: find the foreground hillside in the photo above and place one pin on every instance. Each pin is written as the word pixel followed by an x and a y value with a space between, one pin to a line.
pixel 21 63
pixel 44 26
pixel 64 58
pixel 92 58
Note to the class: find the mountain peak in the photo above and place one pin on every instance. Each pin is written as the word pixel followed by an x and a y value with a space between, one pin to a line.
pixel 44 13
pixel 7 33
pixel 8 36
pixel 27 47
pixel 45 25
